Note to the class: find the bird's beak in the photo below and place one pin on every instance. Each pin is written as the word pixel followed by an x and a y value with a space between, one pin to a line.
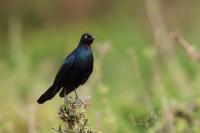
pixel 93 37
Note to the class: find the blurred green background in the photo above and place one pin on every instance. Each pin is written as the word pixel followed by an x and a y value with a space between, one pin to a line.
pixel 142 80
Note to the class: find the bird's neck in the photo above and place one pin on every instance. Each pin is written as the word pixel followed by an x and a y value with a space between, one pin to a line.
pixel 84 45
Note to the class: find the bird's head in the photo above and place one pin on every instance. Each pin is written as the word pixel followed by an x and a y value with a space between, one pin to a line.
pixel 87 39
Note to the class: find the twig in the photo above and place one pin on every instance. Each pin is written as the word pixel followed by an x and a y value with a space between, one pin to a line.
pixel 86 120
pixel 31 119
pixel 164 52
pixel 162 42
pixel 191 50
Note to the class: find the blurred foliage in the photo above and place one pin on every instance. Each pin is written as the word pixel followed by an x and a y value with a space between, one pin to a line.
pixel 186 119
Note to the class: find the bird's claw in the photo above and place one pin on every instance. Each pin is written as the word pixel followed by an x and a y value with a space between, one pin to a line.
pixel 76 94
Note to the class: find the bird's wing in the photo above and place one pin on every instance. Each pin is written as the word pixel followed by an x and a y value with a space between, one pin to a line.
pixel 87 75
pixel 60 76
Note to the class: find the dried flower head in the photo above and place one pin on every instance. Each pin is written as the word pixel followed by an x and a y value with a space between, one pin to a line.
pixel 73 116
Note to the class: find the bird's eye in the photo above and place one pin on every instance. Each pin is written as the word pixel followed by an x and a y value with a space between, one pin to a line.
pixel 86 36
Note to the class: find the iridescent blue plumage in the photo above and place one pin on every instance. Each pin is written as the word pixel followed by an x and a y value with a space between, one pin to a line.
pixel 74 72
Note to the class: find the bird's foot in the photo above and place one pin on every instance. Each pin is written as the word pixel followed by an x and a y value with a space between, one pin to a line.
pixel 65 97
pixel 77 97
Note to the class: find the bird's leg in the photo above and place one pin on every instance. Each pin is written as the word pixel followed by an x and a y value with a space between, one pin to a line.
pixel 65 97
pixel 76 94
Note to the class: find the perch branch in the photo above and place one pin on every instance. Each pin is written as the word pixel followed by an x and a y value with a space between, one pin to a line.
pixel 190 49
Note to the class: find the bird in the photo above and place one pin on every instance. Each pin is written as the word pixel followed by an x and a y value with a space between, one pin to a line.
pixel 74 71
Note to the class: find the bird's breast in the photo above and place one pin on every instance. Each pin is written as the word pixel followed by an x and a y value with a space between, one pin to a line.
pixel 84 60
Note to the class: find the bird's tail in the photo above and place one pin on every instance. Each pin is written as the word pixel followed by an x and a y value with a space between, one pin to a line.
pixel 47 95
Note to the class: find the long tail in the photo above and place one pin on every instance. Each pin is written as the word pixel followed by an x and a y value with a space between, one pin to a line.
pixel 49 94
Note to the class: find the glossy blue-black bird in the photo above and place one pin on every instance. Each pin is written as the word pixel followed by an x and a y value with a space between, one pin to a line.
pixel 74 72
